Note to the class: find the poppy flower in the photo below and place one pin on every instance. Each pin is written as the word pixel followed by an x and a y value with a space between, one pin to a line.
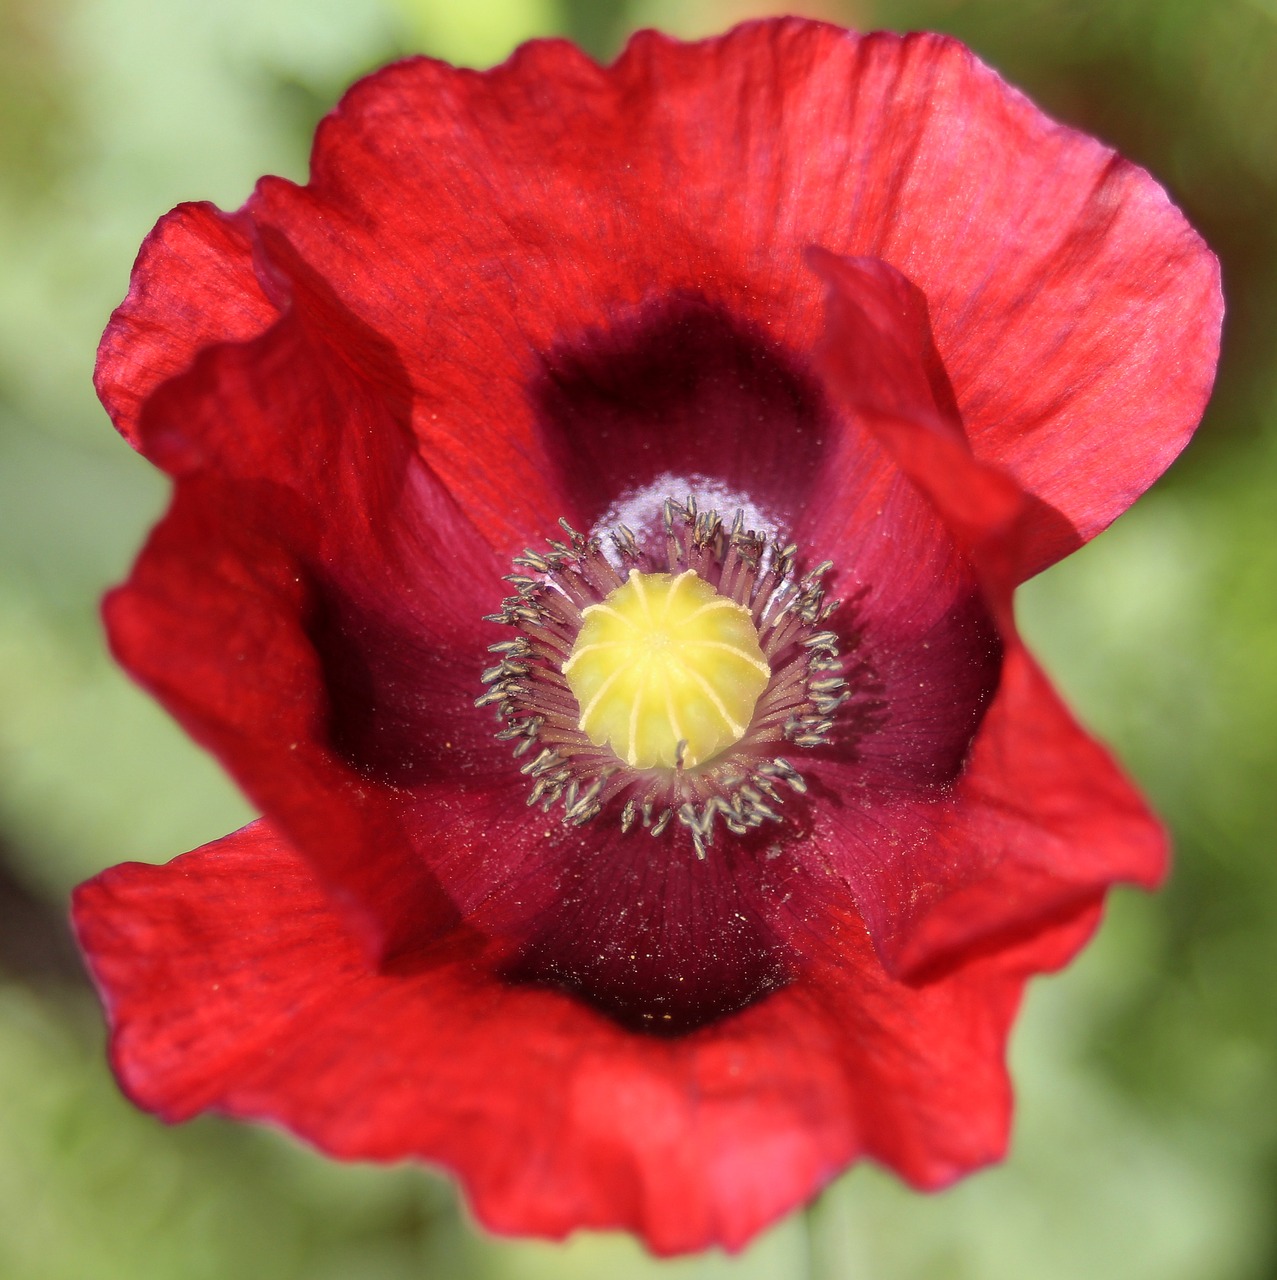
pixel 649 868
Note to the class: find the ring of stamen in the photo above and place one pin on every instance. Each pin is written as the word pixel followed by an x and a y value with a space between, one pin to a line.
pixel 583 622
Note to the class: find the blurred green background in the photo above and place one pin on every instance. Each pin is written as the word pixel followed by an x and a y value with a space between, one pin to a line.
pixel 1146 1142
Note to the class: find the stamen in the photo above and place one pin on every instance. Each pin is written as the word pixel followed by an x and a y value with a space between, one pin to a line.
pixel 576 651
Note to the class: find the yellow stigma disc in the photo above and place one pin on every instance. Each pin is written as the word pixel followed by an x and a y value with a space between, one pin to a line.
pixel 664 660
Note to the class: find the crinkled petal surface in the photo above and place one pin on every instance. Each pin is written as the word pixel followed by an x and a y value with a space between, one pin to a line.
pixel 475 220
pixel 232 985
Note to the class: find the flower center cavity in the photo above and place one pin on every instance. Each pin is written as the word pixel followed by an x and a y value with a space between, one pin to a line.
pixel 664 682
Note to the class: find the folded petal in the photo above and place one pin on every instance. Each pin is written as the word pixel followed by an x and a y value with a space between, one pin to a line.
pixel 1040 818
pixel 310 609
pixel 231 985
pixel 193 285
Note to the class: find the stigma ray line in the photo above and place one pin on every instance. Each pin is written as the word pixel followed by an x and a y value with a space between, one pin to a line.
pixel 708 606
pixel 599 694
pixel 723 647
pixel 640 591
pixel 609 612
pixel 590 648
pixel 712 694
pixel 675 727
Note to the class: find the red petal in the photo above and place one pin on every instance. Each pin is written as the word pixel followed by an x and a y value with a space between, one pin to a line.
pixel 482 221
pixel 1076 312
pixel 231 985
pixel 193 285
pixel 1041 819
pixel 310 609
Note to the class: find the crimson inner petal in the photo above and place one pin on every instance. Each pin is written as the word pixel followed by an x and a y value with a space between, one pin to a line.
pixel 657 939
pixel 400 707
pixel 680 387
